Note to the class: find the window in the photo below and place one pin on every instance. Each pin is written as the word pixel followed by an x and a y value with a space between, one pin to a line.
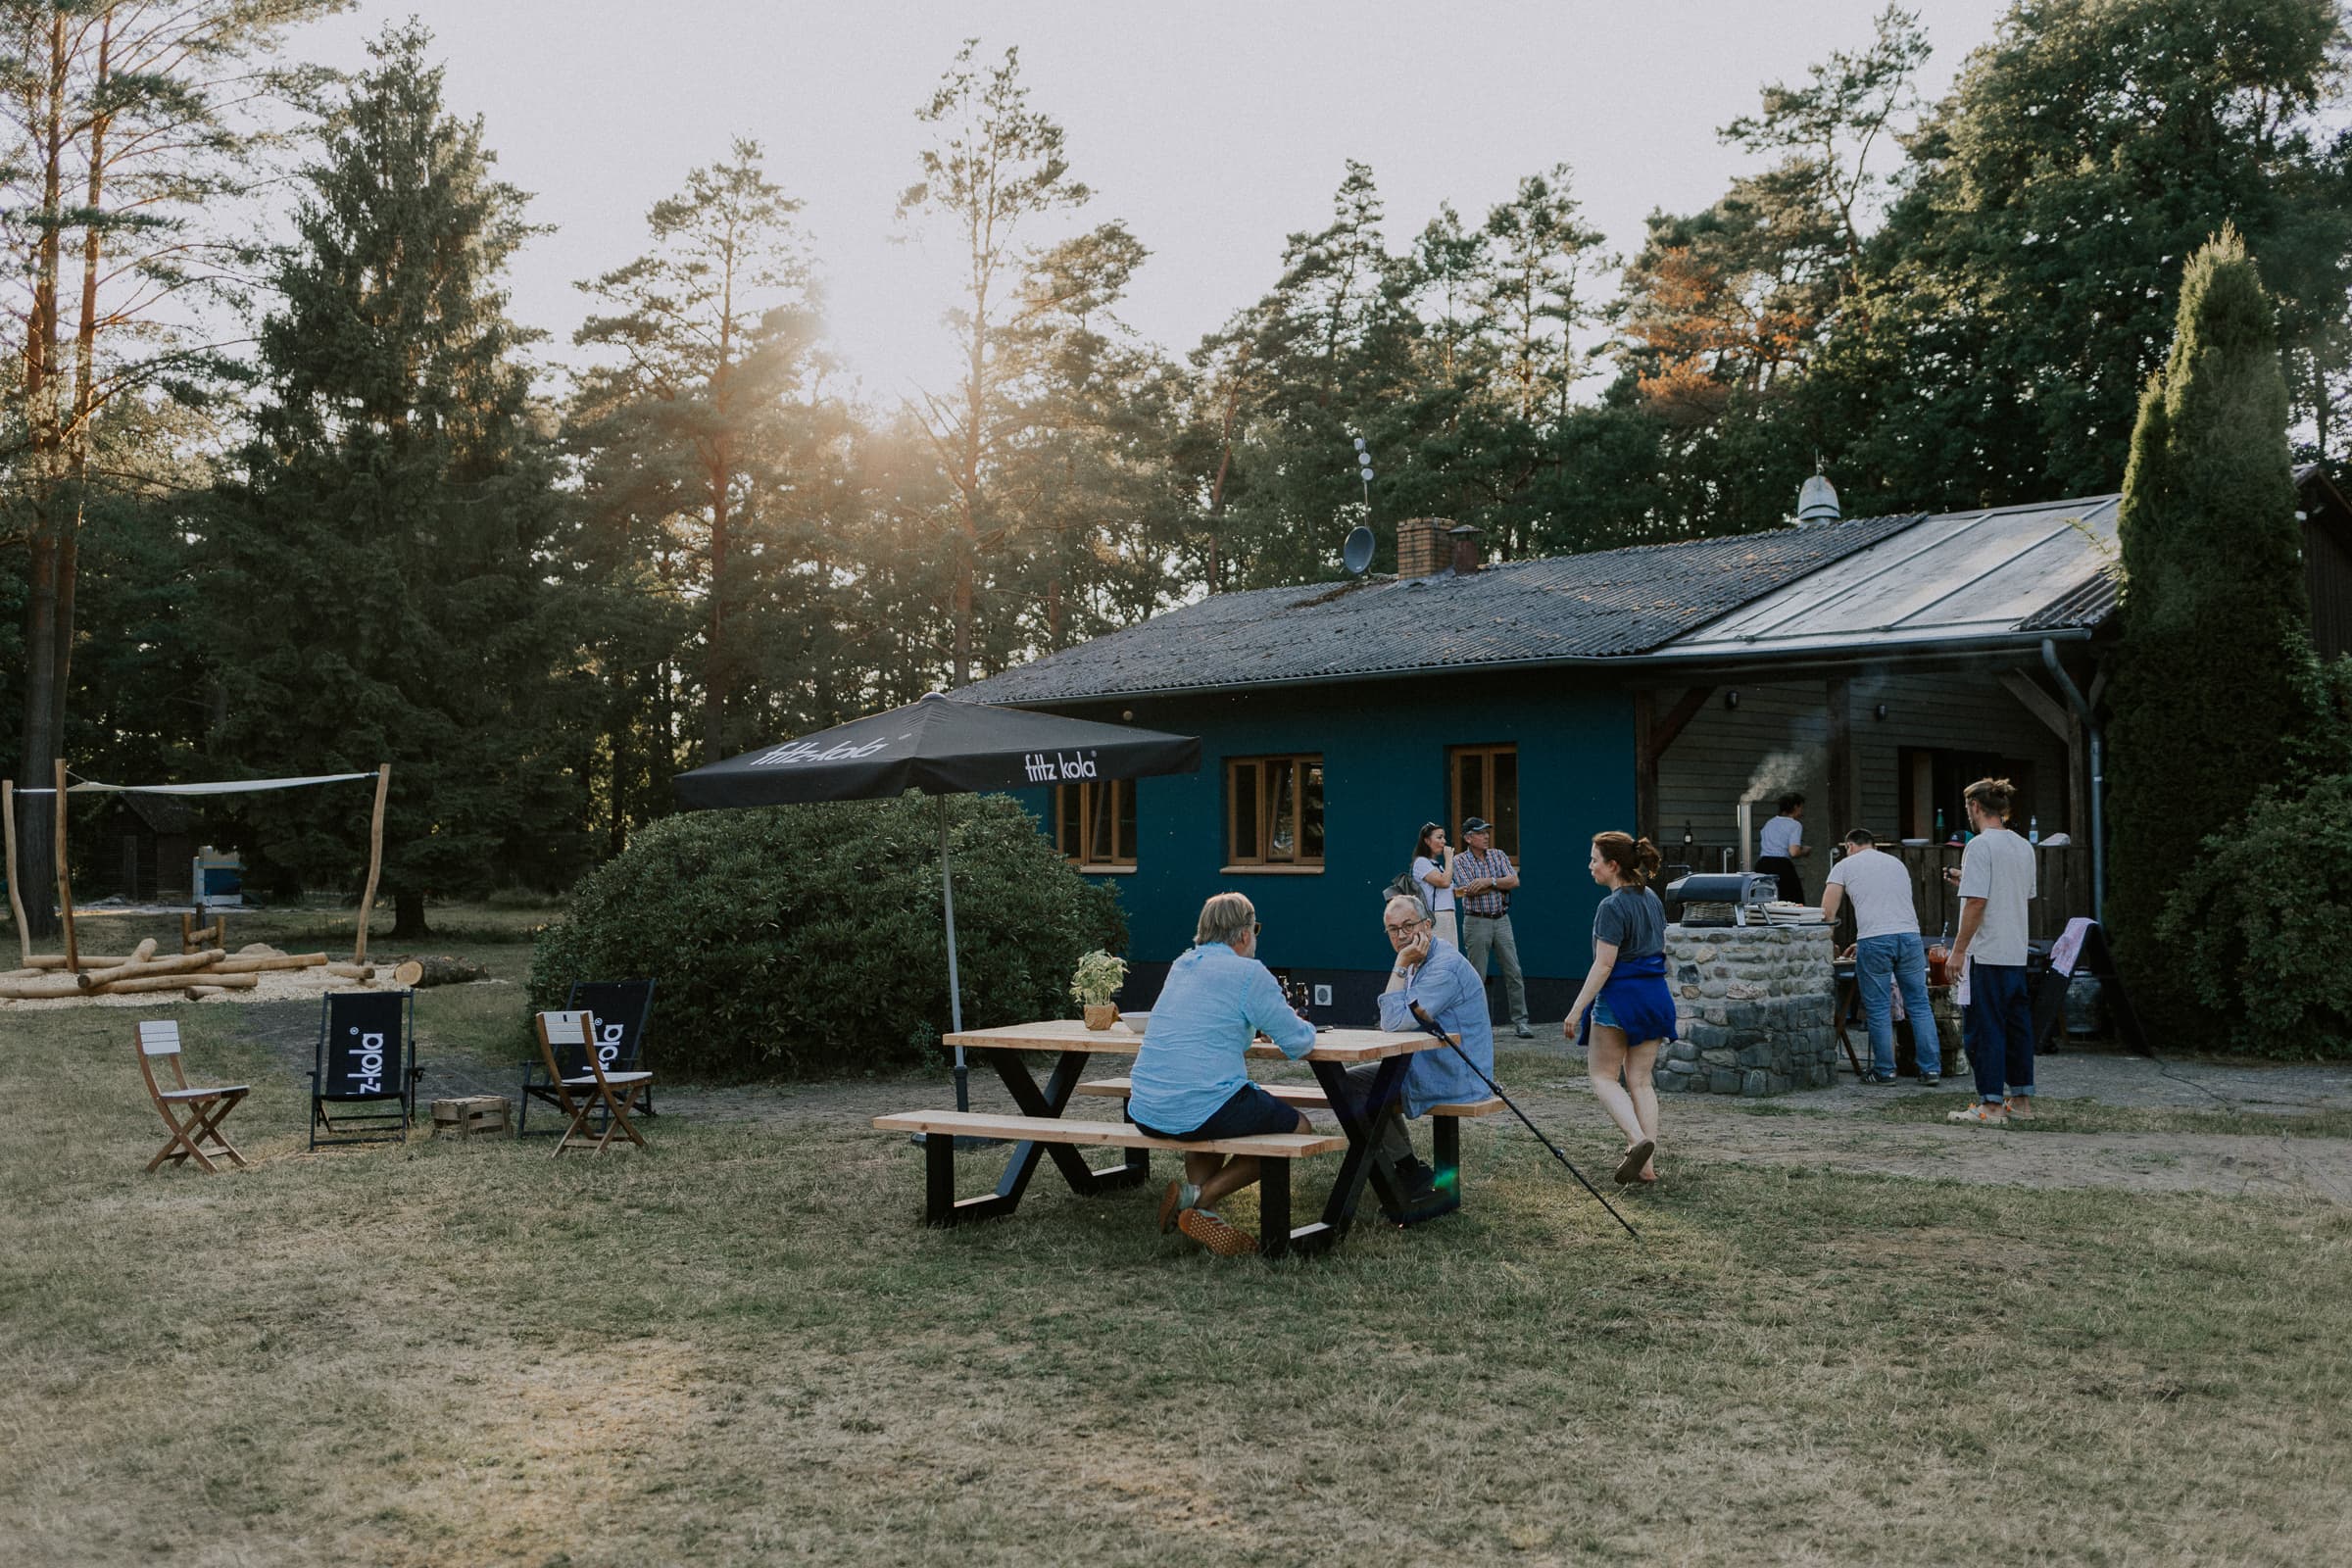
pixel 1274 812
pixel 1094 824
pixel 1929 780
pixel 1486 783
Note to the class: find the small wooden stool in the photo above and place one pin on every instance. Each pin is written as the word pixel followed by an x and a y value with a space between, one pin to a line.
pixel 474 1116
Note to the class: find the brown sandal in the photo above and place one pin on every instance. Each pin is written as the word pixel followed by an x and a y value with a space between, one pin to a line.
pixel 1629 1169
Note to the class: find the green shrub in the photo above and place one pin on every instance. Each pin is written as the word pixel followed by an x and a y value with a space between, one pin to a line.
pixel 807 940
pixel 2264 921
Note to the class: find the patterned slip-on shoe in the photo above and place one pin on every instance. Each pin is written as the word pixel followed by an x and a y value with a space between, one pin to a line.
pixel 1215 1232
pixel 1169 1202
pixel 1980 1114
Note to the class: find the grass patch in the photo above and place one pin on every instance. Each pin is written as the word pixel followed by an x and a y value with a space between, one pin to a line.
pixel 743 1342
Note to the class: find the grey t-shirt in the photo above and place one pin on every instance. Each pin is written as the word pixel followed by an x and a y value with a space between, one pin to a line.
pixel 1879 886
pixel 1635 920
pixel 1998 867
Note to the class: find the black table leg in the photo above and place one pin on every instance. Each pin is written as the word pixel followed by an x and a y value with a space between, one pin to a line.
pixel 1359 1165
pixel 1048 1102
pixel 1273 1208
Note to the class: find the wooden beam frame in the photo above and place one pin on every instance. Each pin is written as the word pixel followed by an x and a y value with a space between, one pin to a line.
pixel 2040 704
pixel 1652 734
pixel 375 861
pixel 65 881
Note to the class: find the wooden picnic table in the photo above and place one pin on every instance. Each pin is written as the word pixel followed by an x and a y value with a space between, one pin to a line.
pixel 1072 1044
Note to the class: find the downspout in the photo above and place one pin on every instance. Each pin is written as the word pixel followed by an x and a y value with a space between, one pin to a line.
pixel 2098 779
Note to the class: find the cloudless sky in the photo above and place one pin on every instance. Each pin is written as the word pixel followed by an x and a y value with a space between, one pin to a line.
pixel 1213 129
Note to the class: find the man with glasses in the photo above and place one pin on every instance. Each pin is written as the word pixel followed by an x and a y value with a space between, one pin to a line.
pixel 1191 1077
pixel 1438 978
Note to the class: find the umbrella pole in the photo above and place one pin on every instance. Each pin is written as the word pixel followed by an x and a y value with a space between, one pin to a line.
pixel 946 894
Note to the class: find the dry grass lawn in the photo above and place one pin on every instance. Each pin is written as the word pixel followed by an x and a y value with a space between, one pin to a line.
pixel 738 1347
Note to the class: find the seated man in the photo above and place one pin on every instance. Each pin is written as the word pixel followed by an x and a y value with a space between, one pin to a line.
pixel 1454 994
pixel 1192 1080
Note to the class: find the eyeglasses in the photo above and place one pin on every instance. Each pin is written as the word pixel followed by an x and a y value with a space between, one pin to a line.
pixel 1406 929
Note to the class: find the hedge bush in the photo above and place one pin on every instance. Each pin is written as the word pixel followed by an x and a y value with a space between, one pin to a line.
pixel 2263 919
pixel 805 941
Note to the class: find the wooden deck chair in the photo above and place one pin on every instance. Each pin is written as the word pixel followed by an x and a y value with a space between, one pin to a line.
pixel 580 1096
pixel 204 1108
pixel 364 1068
pixel 623 1010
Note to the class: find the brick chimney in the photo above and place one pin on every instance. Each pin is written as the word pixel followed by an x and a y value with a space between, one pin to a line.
pixel 1422 547
pixel 1469 549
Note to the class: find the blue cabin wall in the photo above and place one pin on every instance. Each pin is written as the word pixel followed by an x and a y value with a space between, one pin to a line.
pixel 1384 746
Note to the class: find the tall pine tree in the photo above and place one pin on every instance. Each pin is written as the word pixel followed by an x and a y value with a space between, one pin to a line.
pixel 383 583
pixel 2217 694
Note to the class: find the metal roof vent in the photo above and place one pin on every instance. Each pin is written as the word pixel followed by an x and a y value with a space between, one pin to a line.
pixel 1816 502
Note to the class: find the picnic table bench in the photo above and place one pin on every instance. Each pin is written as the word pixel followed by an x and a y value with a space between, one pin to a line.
pixel 1041 1129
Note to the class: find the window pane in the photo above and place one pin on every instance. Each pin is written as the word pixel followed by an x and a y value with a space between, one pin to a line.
pixel 1245 811
pixel 1311 813
pixel 1469 789
pixel 1066 819
pixel 1505 815
pixel 1123 793
pixel 1281 817
pixel 1098 825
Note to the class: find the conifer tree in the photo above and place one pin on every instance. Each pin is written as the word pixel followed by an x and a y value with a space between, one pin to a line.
pixel 383 583
pixel 2216 688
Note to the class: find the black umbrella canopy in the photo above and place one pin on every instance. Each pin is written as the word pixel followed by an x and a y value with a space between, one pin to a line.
pixel 941 747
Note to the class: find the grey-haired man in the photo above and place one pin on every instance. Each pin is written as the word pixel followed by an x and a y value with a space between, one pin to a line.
pixel 1484 880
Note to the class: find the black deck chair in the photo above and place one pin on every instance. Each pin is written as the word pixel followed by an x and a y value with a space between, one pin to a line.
pixel 622 1008
pixel 366 1058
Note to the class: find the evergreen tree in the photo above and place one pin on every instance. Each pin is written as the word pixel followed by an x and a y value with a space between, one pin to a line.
pixel 384 582
pixel 2217 694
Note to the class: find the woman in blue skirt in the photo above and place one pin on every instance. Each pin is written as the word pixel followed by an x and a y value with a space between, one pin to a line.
pixel 1625 1013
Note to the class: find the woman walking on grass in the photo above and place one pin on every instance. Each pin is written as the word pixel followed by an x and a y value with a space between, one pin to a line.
pixel 1625 1013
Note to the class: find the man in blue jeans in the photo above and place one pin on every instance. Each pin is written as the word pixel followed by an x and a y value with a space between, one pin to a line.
pixel 1996 877
pixel 1887 952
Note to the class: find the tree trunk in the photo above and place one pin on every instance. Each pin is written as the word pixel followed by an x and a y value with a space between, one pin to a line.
pixel 407 914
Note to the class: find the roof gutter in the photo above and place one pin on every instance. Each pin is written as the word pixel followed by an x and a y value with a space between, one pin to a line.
pixel 1932 648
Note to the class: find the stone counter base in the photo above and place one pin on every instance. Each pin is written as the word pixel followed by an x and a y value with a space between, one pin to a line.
pixel 1754 1004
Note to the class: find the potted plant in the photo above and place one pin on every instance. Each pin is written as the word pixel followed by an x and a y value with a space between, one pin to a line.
pixel 1097 975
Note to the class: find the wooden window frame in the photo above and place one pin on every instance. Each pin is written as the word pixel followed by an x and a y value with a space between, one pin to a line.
pixel 1083 795
pixel 1463 810
pixel 1258 769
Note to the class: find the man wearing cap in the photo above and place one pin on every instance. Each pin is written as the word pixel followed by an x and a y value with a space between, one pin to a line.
pixel 1483 882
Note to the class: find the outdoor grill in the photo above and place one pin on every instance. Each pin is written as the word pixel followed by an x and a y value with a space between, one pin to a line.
pixel 1726 897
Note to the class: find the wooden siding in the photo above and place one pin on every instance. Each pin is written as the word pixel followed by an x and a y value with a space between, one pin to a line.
pixel 2327 572
pixel 1723 751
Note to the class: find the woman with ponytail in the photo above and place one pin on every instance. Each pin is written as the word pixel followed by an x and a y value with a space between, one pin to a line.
pixel 1625 1013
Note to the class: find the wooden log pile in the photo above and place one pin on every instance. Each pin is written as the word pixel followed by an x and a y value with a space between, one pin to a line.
pixel 205 971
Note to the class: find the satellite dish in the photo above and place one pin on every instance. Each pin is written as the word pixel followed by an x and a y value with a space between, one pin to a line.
pixel 1358 552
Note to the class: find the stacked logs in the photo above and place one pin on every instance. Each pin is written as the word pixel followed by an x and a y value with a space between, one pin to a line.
pixel 203 972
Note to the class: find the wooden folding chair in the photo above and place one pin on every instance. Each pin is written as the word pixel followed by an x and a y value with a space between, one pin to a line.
pixel 581 1095
pixel 159 1041
pixel 623 1010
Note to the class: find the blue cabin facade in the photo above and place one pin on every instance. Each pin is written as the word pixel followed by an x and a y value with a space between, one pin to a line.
pixel 1390 753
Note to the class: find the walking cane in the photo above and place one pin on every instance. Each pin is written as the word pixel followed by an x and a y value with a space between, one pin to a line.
pixel 1421 1016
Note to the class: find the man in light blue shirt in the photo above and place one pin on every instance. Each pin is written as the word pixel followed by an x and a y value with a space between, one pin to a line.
pixel 1437 977
pixel 1192 1078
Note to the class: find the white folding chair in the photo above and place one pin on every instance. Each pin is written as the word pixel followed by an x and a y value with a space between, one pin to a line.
pixel 159 1041
pixel 565 1045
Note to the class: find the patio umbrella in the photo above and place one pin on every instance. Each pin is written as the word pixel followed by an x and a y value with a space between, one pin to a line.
pixel 941 747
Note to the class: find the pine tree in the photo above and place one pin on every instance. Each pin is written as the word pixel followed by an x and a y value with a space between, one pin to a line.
pixel 2216 688
pixel 379 584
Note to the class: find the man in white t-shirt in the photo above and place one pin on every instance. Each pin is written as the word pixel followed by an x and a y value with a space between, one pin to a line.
pixel 1887 952
pixel 1998 878
pixel 1781 844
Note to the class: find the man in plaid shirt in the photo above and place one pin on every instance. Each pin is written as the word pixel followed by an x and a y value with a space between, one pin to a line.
pixel 1483 881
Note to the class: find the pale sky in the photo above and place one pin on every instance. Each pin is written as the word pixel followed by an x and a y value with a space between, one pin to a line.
pixel 1213 128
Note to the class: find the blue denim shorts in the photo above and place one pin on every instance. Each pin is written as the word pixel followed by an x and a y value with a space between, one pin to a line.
pixel 1602 1018
pixel 1251 1110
